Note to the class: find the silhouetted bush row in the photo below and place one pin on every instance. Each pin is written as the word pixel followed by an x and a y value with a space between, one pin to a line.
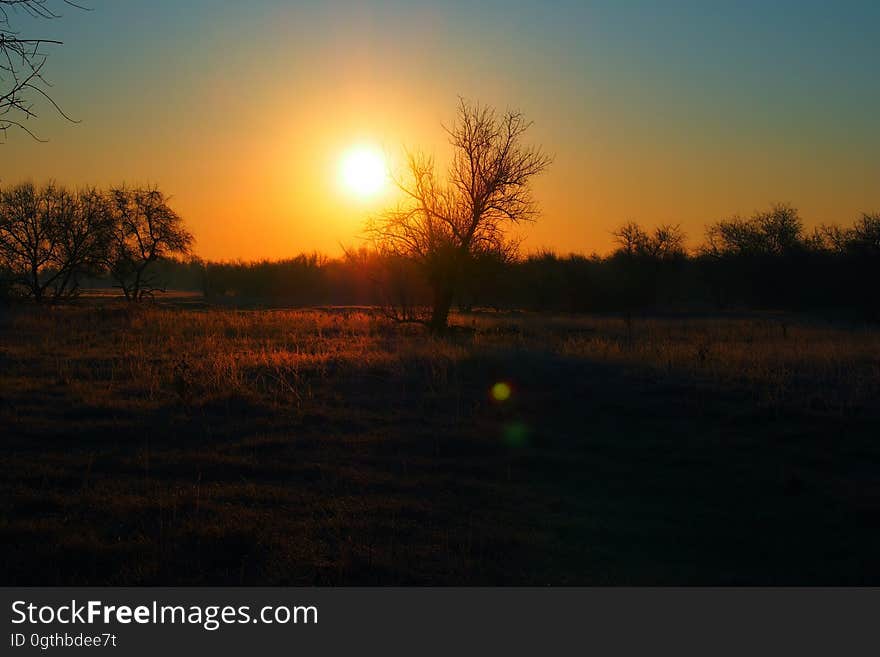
pixel 767 261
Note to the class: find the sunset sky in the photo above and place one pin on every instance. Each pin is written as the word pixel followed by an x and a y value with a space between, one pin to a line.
pixel 679 112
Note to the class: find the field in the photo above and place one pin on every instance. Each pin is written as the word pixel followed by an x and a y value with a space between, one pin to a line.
pixel 193 445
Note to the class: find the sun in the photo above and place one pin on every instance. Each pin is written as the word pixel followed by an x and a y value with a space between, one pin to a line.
pixel 363 172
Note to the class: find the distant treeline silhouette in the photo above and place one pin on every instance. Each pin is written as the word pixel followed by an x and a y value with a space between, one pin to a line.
pixel 54 242
pixel 766 261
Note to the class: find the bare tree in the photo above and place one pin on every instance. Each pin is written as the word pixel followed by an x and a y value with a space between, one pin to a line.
pixel 442 224
pixel 22 60
pixel 49 237
pixel 145 229
pixel 774 232
pixel 668 242
pixel 864 236
pixel 665 243
pixel 631 239
pixel 84 227
pixel 27 240
pixel 642 259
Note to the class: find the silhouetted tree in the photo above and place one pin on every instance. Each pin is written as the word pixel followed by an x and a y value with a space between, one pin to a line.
pixel 864 236
pixel 631 239
pixel 641 260
pixel 27 240
pixel 774 232
pixel 858 255
pixel 759 260
pixel 665 243
pixel 84 227
pixel 145 229
pixel 443 224
pixel 21 64
pixel 50 237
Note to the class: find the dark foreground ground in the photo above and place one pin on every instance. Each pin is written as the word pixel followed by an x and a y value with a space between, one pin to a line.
pixel 198 446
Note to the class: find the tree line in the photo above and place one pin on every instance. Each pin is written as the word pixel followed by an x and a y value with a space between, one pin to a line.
pixel 768 260
pixel 54 241
pixel 52 238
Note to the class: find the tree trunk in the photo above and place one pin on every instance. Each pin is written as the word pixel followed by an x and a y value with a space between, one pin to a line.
pixel 35 284
pixel 136 287
pixel 442 304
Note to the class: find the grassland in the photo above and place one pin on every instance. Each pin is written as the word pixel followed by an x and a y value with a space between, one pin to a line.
pixel 167 445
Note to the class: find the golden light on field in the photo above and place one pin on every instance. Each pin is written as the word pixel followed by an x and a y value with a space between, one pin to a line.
pixel 363 171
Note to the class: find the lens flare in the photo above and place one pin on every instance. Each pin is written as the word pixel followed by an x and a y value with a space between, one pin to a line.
pixel 501 391
pixel 516 434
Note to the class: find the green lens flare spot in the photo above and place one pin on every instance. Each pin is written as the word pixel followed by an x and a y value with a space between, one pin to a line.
pixel 501 391
pixel 516 434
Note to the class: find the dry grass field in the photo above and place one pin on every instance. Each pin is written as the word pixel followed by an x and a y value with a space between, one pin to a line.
pixel 171 445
